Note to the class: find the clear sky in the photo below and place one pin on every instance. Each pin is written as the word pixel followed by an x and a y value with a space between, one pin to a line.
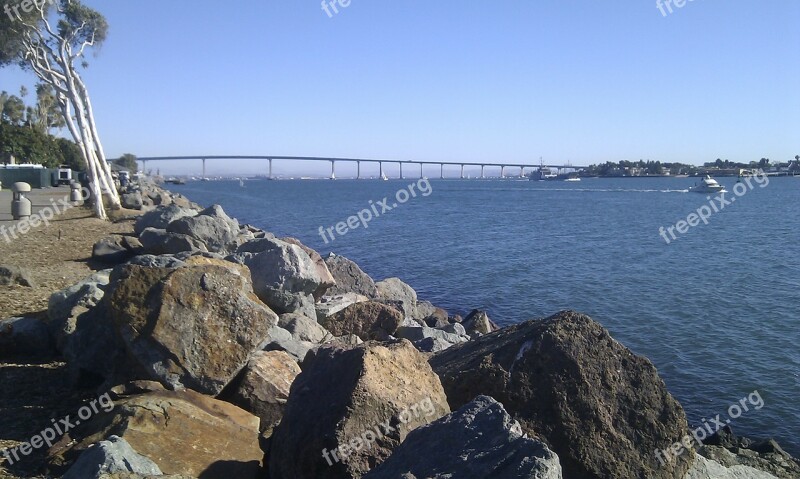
pixel 568 80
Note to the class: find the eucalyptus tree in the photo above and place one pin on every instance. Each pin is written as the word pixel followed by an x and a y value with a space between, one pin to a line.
pixel 52 38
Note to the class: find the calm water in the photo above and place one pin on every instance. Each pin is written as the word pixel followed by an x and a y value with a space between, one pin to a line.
pixel 716 310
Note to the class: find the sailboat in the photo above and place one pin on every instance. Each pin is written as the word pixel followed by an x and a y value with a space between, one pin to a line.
pixel 241 183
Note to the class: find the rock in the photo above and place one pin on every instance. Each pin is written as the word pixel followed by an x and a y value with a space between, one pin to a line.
pixel 479 440
pixel 600 407
pixel 116 249
pixel 28 337
pixel 420 333
pixel 329 305
pixel 182 432
pixel 455 328
pixel 326 278
pixel 87 293
pixel 193 327
pixel 160 218
pixel 303 328
pixel 132 201
pixel 455 319
pixel 211 226
pixel 13 275
pixel 370 320
pixel 708 469
pixel 152 261
pixel 393 289
pixel 437 319
pixel 264 387
pixel 349 278
pixel 111 456
pixel 432 345
pixel 284 276
pixel 729 450
pixel 339 400
pixel 282 340
pixel 158 242
pixel 477 323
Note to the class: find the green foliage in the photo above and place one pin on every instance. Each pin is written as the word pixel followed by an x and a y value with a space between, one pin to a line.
pixel 29 145
pixel 128 161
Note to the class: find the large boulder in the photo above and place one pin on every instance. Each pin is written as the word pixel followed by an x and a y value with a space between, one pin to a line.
pixel 350 408
pixel 132 201
pixel 161 217
pixel 479 440
pixel 393 289
pixel 704 468
pixel 326 278
pixel 349 278
pixel 329 305
pixel 284 275
pixel 215 229
pixel 114 455
pixel 157 242
pixel 601 408
pixel 264 387
pixel 192 327
pixel 24 337
pixel 182 432
pixel 370 320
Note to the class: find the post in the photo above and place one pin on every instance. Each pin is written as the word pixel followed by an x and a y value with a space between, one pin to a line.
pixel 482 168
pixel 441 171
pixel 522 172
pixel 358 174
pixel 421 176
pixel 462 171
pixel 381 168
pixel 204 167
pixel 502 172
pixel 144 166
pixel 333 170
pixel 401 171
pixel 270 168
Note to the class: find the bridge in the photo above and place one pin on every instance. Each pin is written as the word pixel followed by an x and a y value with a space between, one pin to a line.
pixel 358 161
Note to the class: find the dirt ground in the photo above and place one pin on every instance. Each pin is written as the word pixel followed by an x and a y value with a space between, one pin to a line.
pixel 55 256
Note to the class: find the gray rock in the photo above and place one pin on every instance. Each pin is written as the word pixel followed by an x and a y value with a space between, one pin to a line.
pixel 160 218
pixel 282 340
pixel 116 249
pixel 393 289
pixel 303 328
pixel 432 345
pixel 114 455
pixel 455 328
pixel 330 305
pixel 152 261
pixel 704 468
pixel 420 333
pixel 479 440
pixel 132 201
pixel 158 242
pixel 326 279
pixel 349 278
pixel 13 275
pixel 24 337
pixel 284 277
pixel 87 293
pixel 211 226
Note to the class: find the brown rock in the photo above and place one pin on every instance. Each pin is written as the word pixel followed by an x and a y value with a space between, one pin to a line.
pixel 356 405
pixel 322 269
pixel 183 432
pixel 601 408
pixel 367 320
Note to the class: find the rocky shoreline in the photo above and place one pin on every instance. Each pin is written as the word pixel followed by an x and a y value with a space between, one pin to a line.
pixel 216 350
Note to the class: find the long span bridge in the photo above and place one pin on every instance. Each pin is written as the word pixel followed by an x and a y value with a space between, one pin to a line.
pixel 358 161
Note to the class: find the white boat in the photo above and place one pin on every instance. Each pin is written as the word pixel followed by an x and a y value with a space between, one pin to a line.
pixel 573 179
pixel 384 177
pixel 708 185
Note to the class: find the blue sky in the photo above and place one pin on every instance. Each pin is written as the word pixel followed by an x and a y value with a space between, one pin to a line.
pixel 568 80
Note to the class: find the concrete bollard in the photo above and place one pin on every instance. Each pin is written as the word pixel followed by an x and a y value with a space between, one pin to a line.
pixel 20 206
pixel 75 195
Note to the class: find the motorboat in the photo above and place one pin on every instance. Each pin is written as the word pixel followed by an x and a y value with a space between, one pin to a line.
pixel 573 179
pixel 708 185
pixel 543 174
